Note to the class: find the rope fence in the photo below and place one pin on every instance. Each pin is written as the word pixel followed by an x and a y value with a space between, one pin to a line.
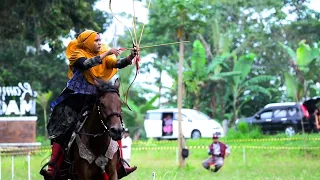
pixel 238 140
pixel 26 151
pixel 15 151
pixel 29 151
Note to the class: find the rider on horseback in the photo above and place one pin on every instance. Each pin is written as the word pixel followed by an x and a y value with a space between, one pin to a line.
pixel 89 59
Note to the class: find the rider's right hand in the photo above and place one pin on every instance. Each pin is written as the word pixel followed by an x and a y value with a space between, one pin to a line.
pixel 113 51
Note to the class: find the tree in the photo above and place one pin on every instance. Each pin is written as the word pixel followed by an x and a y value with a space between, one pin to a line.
pixel 135 97
pixel 137 113
pixel 304 63
pixel 31 47
pixel 43 101
pixel 241 85
pixel 199 72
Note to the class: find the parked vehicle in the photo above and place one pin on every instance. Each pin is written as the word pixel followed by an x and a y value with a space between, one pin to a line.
pixel 284 117
pixel 163 124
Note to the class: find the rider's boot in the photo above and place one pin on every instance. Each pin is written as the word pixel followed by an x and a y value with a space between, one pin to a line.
pixel 55 162
pixel 125 168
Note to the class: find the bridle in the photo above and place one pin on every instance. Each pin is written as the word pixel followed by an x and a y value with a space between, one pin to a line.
pixel 108 117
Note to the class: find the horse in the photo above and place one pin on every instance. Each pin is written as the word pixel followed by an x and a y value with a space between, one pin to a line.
pixel 94 152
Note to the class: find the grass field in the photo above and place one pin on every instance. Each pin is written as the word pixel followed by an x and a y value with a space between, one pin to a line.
pixel 258 163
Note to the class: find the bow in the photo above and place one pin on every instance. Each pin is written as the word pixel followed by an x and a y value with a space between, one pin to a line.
pixel 136 45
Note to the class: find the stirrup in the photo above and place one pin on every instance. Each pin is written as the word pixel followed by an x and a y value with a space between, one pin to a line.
pixel 45 173
pixel 122 172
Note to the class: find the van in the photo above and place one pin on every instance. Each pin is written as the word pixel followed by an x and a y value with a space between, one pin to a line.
pixel 163 124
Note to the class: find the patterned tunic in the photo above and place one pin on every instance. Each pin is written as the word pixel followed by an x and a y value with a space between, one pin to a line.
pixel 66 108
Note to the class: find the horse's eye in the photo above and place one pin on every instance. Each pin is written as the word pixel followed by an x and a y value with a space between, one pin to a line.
pixel 102 105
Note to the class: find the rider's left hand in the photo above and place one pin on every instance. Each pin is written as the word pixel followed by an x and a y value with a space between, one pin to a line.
pixel 134 53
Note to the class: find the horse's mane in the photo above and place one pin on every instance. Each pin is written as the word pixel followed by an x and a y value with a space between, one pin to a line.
pixel 105 86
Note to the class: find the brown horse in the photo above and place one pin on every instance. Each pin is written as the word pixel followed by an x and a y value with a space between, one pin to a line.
pixel 94 152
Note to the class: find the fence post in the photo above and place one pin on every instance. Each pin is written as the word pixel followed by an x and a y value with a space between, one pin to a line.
pixel 177 155
pixel 244 155
pixel 153 175
pixel 12 167
pixel 29 172
pixel 225 126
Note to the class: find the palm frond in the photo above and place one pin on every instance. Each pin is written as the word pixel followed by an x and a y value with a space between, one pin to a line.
pixel 290 51
pixel 244 65
pixel 43 98
pixel 149 105
pixel 259 89
pixel 216 62
pixel 224 75
pixel 133 106
pixel 291 85
pixel 258 79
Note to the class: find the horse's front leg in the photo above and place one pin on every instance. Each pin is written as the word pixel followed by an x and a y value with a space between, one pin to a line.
pixel 84 170
pixel 111 168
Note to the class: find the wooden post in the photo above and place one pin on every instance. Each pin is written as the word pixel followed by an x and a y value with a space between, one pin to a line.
pixel 180 92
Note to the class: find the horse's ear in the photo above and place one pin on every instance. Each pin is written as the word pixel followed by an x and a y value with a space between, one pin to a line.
pixel 117 83
pixel 96 83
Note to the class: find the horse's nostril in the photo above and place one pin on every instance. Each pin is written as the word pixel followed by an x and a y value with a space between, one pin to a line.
pixel 115 130
pixel 115 133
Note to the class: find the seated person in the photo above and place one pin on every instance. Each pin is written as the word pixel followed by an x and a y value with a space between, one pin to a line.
pixel 167 127
pixel 217 151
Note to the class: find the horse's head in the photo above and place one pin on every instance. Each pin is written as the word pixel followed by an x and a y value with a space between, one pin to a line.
pixel 109 107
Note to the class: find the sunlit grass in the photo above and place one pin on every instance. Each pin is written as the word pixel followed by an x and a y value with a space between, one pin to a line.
pixel 241 164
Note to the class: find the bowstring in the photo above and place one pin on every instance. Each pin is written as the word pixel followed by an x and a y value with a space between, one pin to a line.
pixel 143 25
pixel 133 42
pixel 136 43
pixel 138 55
pixel 121 22
pixel 134 24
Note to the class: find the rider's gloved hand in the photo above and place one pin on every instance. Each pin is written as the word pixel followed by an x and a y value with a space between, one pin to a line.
pixel 134 53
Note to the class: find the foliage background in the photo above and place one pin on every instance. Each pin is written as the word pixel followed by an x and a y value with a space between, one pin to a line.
pixel 234 65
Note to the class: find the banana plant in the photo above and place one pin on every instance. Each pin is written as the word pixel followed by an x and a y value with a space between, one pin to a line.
pixel 43 101
pixel 198 72
pixel 242 86
pixel 137 113
pixel 220 70
pixel 305 63
pixel 134 117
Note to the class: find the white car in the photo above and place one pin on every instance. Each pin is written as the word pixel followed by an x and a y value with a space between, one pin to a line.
pixel 195 124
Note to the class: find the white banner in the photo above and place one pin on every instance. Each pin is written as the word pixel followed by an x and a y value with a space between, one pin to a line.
pixel 25 103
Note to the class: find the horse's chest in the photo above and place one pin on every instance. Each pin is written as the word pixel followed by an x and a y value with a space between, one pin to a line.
pixel 101 160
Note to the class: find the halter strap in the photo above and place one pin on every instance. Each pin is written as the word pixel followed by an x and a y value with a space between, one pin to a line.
pixel 108 117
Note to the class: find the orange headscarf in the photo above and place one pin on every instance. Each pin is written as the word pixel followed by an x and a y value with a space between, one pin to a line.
pixel 83 47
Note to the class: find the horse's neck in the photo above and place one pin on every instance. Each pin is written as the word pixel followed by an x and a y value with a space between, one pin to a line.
pixel 93 125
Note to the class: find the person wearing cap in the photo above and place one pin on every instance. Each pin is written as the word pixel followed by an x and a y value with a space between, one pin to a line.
pixel 218 151
pixel 126 145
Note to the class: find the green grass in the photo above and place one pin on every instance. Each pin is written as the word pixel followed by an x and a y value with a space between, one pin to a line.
pixel 259 164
